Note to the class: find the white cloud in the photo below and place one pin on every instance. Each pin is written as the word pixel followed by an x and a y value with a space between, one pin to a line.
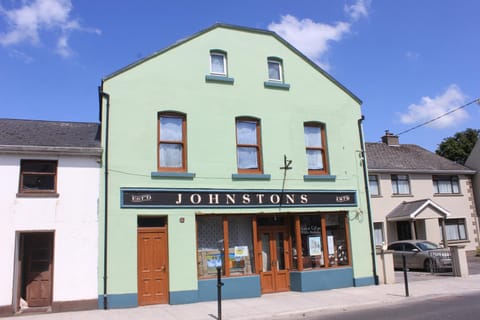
pixel 26 23
pixel 431 108
pixel 358 10
pixel 313 38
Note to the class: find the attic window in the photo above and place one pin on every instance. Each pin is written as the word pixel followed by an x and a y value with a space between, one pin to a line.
pixel 218 62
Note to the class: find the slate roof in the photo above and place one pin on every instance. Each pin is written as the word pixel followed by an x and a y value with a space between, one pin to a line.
pixel 39 133
pixel 409 158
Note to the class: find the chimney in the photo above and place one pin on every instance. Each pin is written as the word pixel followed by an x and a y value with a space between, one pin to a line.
pixel 390 139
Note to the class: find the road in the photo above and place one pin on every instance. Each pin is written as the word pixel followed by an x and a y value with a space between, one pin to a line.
pixel 465 307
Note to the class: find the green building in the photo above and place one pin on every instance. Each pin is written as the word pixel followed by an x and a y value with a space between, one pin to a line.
pixel 230 152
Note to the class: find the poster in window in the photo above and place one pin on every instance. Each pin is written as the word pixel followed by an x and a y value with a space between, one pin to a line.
pixel 314 245
pixel 214 260
pixel 241 251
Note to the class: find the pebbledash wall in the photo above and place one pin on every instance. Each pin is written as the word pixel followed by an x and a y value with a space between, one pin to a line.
pixel 48 238
pixel 269 215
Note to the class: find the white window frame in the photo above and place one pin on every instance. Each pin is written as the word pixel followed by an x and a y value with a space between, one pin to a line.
pixel 378 233
pixel 280 69
pixel 452 182
pixel 396 186
pixel 224 58
pixel 376 180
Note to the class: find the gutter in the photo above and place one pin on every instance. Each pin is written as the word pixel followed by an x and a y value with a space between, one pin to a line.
pixel 369 208
pixel 102 95
pixel 85 151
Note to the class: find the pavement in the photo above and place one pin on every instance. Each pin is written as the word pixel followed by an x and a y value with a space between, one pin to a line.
pixel 289 305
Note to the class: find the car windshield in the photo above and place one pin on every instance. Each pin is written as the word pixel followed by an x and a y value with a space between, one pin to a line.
pixel 426 245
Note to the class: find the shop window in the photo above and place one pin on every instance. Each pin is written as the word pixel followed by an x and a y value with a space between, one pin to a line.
pixel 249 159
pixel 373 185
pixel 455 229
pixel 315 146
pixel 172 142
pixel 400 184
pixel 38 177
pixel 445 185
pixel 324 242
pixel 211 234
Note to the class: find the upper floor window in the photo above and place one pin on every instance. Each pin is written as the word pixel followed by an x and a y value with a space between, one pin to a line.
pixel 445 184
pixel 400 184
pixel 315 147
pixel 275 70
pixel 38 176
pixel 249 159
pixel 172 142
pixel 373 185
pixel 218 62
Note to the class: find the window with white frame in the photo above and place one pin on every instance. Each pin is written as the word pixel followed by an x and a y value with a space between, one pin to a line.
pixel 400 184
pixel 445 185
pixel 218 63
pixel 378 233
pixel 315 146
pixel 275 69
pixel 455 229
pixel 171 141
pixel 373 185
pixel 249 149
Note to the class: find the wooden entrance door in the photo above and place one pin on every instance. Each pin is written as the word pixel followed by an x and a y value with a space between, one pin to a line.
pixel 152 265
pixel 273 247
pixel 38 269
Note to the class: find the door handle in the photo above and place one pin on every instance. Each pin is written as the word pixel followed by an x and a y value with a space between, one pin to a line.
pixel 162 268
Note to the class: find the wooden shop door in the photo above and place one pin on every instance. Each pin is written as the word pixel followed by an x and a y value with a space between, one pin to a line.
pixel 272 246
pixel 152 265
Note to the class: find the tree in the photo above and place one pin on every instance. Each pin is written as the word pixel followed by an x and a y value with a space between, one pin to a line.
pixel 458 147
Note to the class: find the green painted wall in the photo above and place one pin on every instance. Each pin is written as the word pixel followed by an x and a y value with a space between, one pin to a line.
pixel 175 80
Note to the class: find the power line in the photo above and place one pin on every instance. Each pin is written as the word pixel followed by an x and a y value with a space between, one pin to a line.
pixel 477 100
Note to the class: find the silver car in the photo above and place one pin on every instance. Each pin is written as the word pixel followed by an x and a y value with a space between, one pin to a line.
pixel 420 254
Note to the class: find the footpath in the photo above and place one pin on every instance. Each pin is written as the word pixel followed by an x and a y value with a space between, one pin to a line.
pixel 288 305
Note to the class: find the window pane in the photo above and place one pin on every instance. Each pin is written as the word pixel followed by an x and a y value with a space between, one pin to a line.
pixel 246 132
pixel 403 187
pixel 378 233
pixel 210 245
pixel 171 129
pixel 315 160
pixel 241 245
pixel 38 166
pixel 171 155
pixel 38 182
pixel 217 63
pixel 373 185
pixel 312 243
pixel 313 137
pixel 247 158
pixel 274 72
pixel 336 240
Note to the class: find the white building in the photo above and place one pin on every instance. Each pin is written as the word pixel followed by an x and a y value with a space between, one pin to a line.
pixel 48 215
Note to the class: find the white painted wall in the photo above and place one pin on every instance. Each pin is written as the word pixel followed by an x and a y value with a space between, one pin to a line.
pixel 73 216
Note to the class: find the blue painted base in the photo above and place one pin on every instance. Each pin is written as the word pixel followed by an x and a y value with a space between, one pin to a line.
pixel 316 280
pixel 233 288
pixel 361 282
pixel 117 301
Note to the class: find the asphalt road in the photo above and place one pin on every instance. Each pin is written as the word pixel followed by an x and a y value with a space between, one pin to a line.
pixel 465 307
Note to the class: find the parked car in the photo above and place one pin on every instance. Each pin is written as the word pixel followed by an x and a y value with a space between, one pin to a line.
pixel 421 254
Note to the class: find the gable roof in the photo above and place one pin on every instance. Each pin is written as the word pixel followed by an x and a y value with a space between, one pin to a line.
pixel 38 135
pixel 409 158
pixel 244 29
pixel 410 210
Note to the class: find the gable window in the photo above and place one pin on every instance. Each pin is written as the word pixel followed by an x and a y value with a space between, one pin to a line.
pixel 275 69
pixel 171 142
pixel 218 62
pixel 315 147
pixel 445 184
pixel 373 185
pixel 249 150
pixel 38 176
pixel 400 184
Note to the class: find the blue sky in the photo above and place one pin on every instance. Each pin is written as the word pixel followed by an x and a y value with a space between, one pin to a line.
pixel 409 61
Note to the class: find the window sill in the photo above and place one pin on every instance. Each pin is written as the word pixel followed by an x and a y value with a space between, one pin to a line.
pixel 311 177
pixel 38 195
pixel 402 195
pixel 448 195
pixel 237 176
pixel 173 175
pixel 276 85
pixel 219 79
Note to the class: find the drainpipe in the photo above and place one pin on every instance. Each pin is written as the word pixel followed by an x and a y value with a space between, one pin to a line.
pixel 102 95
pixel 367 192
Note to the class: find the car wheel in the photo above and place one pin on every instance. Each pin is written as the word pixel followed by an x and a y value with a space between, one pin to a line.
pixel 429 265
